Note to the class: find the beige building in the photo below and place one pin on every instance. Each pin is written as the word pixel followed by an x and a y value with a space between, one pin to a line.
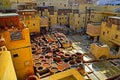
pixel 56 3
pixel 20 1
pixel 31 19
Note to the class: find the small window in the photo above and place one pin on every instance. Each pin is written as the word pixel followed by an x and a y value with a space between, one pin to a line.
pixel 21 18
pixel 118 27
pixel 103 33
pixel 59 18
pixel 116 37
pixel 15 55
pixel 26 17
pixel 33 17
pixel 107 32
pixel 49 3
pixel 64 5
pixel 49 19
pixel 33 24
pixel 92 16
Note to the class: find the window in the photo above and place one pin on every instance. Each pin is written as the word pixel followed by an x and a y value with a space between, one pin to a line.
pixel 49 3
pixel 92 16
pixel 116 37
pixel 64 5
pixel 26 17
pixel 33 24
pixel 109 23
pixel 21 18
pixel 103 33
pixel 33 17
pixel 49 19
pixel 15 55
pixel 107 32
pixel 43 3
pixel 59 18
pixel 118 27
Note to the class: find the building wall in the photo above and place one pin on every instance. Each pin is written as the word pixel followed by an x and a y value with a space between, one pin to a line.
pixel 63 19
pixel 7 71
pixel 57 4
pixel 21 53
pixel 52 18
pixel 44 22
pixel 110 33
pixel 96 16
pixel 31 19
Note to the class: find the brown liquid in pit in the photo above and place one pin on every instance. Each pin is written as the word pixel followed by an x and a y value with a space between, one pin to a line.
pixel 46 65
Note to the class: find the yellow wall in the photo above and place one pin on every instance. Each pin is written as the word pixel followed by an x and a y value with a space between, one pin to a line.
pixel 32 23
pixel 109 33
pixel 70 74
pixel 53 19
pixel 63 19
pixel 21 54
pixel 7 71
pixel 99 51
pixel 75 21
pixel 44 22
pixel 82 6
pixel 96 16
pixel 57 4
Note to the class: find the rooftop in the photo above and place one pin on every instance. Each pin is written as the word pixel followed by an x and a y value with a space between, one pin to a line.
pixel 8 15
pixel 114 17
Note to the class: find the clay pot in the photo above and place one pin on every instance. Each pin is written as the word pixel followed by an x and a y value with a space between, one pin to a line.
pixel 32 77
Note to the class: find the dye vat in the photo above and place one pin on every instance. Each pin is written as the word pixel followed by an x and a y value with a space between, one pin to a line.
pixel 40 68
pixel 54 69
pixel 32 77
pixel 37 64
pixel 46 65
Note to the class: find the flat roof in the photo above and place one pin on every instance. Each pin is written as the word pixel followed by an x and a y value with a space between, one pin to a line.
pixel 8 15
pixel 114 17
